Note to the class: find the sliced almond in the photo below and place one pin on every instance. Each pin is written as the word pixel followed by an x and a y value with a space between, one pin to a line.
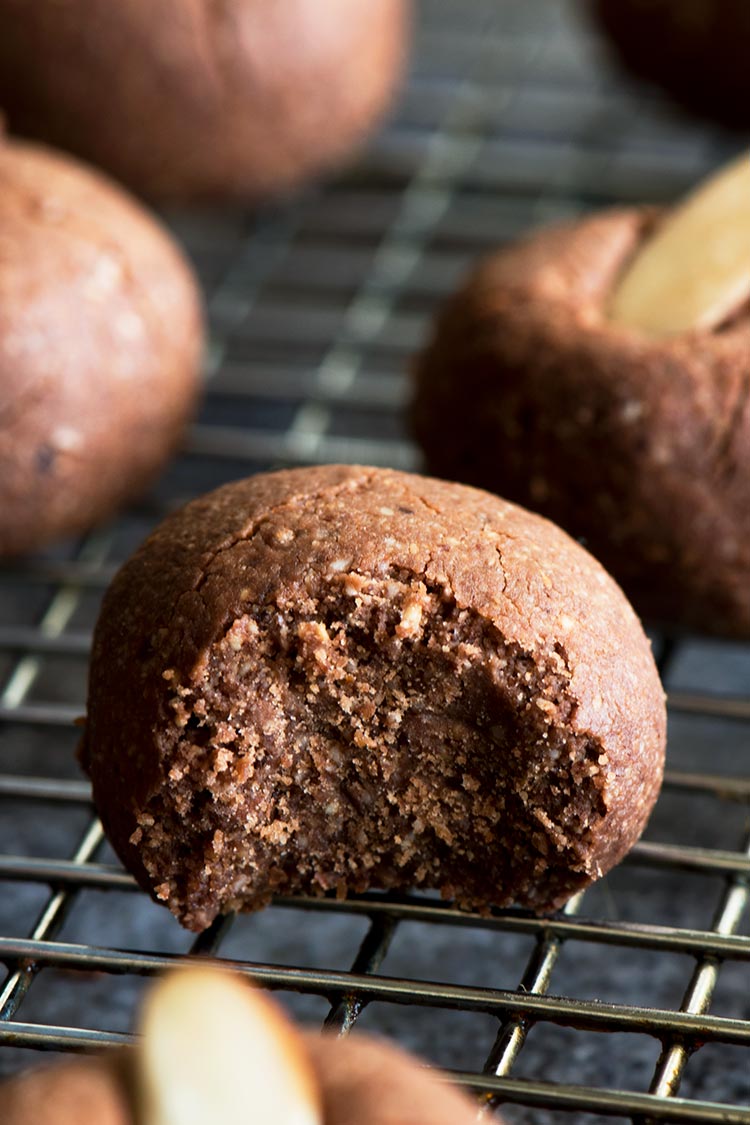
pixel 695 270
pixel 215 1049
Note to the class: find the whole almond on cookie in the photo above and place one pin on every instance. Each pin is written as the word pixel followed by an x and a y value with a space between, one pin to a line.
pixel 694 271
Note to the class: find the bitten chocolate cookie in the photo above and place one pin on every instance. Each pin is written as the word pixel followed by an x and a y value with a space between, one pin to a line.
pixel 696 50
pixel 187 99
pixel 100 347
pixel 340 678
pixel 638 444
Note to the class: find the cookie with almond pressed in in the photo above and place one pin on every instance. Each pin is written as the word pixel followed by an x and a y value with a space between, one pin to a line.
pixel 636 444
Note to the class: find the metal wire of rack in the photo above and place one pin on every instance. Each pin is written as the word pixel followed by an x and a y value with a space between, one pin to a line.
pixel 509 118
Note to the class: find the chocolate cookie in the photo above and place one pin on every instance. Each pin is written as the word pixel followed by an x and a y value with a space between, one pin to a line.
pixel 100 346
pixel 696 50
pixel 362 1079
pixel 371 1082
pixel 344 678
pixel 187 99
pixel 83 1092
pixel 638 445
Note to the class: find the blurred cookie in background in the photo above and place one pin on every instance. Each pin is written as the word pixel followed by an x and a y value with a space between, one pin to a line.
pixel 696 50
pixel 597 372
pixel 101 341
pixel 186 101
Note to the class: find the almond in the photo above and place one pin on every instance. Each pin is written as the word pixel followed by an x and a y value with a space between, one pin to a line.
pixel 695 270
pixel 216 1049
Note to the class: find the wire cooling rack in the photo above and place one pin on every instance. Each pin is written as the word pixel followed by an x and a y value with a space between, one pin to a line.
pixel 635 1001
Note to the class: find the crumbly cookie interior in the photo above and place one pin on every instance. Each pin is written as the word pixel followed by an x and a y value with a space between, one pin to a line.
pixel 372 734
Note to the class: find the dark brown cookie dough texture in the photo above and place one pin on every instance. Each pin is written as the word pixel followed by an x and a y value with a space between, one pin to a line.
pixel 344 678
pixel 696 50
pixel 193 99
pixel 100 346
pixel 640 446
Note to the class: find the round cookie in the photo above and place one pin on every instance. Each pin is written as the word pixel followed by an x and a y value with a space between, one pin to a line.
pixel 694 49
pixel 343 678
pixel 192 100
pixel 638 445
pixel 100 347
